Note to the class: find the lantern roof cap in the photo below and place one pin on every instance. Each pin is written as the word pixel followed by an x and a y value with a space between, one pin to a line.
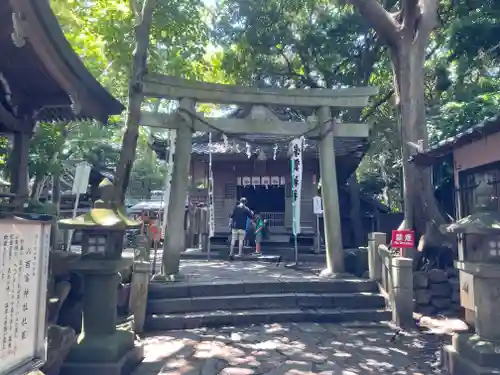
pixel 100 218
pixel 4 183
pixel 105 182
pixel 476 223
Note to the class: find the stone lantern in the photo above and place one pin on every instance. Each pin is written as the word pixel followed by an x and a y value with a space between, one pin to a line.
pixel 479 266
pixel 101 348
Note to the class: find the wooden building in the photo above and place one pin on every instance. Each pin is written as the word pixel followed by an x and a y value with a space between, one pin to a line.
pixel 258 168
pixel 469 158
pixel 41 79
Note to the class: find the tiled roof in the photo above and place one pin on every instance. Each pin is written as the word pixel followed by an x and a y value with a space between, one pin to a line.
pixel 479 131
pixel 42 73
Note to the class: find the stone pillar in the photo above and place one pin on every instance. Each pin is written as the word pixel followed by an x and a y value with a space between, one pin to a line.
pixel 479 353
pixel 174 243
pixel 374 260
pixel 139 293
pixel 99 303
pixel 330 195
pixel 487 312
pixel 402 293
pixel 203 228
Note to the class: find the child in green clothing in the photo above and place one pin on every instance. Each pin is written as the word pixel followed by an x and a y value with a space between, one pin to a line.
pixel 259 231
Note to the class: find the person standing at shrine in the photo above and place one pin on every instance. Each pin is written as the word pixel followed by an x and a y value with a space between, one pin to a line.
pixel 259 233
pixel 238 224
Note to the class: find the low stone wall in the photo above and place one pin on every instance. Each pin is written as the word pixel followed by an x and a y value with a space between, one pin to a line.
pixel 437 292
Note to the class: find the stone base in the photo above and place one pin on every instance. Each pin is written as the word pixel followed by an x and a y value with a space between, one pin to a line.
pixel 469 355
pixel 124 366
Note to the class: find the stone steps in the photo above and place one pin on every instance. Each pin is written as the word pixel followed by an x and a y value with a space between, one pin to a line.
pixel 266 301
pixel 158 290
pixel 184 305
pixel 161 322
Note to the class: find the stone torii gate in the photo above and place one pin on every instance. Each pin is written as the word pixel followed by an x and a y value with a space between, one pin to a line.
pixel 260 121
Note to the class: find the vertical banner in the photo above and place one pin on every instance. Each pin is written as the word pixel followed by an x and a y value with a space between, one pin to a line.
pixel 211 214
pixel 296 172
pixel 168 176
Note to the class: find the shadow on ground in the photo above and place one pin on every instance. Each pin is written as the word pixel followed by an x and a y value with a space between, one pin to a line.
pixel 292 349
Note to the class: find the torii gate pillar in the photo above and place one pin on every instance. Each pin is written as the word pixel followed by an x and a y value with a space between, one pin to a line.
pixel 174 243
pixel 330 195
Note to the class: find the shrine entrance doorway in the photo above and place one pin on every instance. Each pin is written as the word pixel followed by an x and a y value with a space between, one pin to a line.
pixel 268 201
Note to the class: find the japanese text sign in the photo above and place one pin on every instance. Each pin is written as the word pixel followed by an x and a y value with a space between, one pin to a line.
pixel 24 262
pixel 403 239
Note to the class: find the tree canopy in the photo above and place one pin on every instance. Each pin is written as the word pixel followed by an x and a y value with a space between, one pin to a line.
pixel 280 43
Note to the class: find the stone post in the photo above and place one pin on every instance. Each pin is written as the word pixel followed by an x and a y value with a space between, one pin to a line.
pixel 139 293
pixel 330 195
pixel 203 228
pixel 487 312
pixel 375 239
pixel 479 353
pixel 174 243
pixel 100 296
pixel 402 293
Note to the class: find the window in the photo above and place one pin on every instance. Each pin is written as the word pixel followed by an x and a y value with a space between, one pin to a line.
pixel 470 179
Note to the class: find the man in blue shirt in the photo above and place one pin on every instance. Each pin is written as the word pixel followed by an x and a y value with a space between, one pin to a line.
pixel 238 224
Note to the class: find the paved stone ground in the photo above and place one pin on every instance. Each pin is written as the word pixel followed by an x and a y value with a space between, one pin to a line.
pixel 202 271
pixel 291 349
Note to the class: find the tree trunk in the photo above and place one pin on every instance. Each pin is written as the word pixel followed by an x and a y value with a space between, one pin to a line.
pixel 35 188
pixel 420 206
pixel 135 96
pixel 355 213
pixel 406 34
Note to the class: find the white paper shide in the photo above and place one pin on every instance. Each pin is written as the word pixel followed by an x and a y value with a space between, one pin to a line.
pixel 24 250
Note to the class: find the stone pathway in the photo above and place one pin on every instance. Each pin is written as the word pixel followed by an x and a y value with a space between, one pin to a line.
pixel 291 349
pixel 202 271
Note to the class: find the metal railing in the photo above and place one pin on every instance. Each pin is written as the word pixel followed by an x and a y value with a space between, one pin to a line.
pixel 274 219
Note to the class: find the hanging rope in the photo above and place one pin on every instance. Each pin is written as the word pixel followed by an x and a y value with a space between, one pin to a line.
pixel 282 140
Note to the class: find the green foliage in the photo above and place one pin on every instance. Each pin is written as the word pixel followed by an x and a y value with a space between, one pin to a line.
pixel 286 43
pixel 102 33
pixel 282 43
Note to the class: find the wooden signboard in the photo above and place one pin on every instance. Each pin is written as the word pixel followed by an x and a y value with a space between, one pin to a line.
pixel 24 264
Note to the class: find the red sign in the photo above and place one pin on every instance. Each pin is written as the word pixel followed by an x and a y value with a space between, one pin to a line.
pixel 403 239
